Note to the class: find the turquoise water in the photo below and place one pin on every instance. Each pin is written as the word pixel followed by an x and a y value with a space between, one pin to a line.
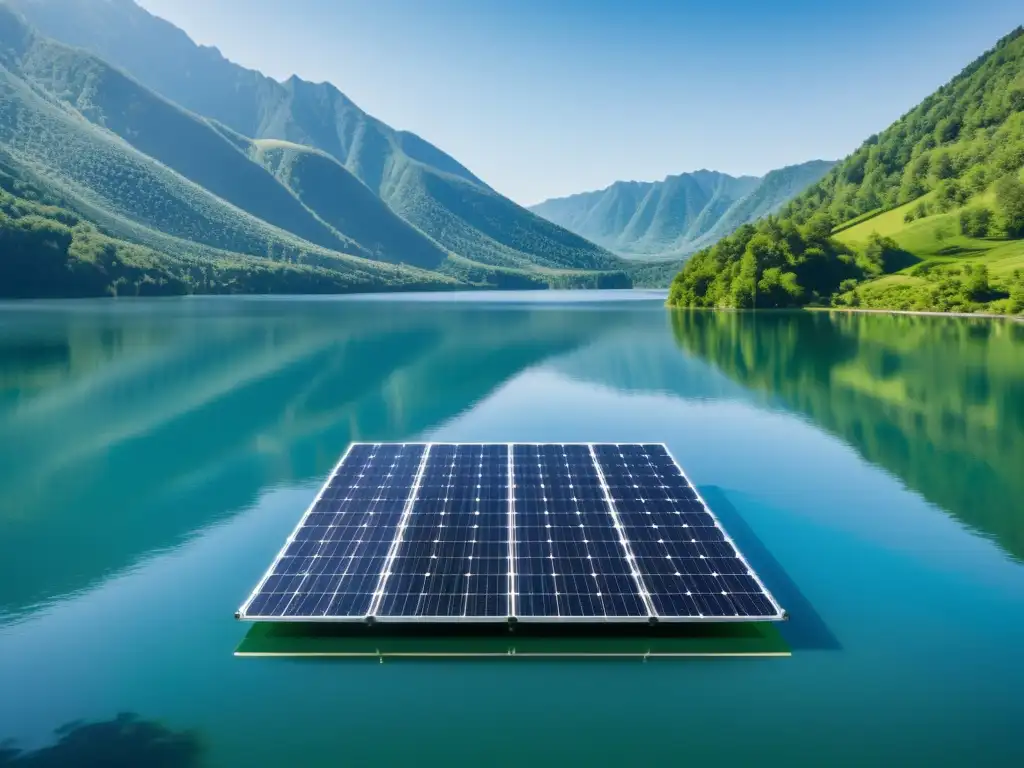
pixel 154 455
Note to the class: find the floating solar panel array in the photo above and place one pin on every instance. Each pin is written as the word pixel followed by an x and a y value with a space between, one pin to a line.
pixel 442 532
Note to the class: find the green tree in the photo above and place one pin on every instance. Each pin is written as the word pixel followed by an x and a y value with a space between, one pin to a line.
pixel 818 228
pixel 977 178
pixel 948 129
pixel 1010 202
pixel 1017 292
pixel 975 222
pixel 976 286
pixel 942 166
pixel 950 194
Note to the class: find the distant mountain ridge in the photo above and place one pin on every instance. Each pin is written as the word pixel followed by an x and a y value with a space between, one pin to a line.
pixel 680 214
pixel 426 187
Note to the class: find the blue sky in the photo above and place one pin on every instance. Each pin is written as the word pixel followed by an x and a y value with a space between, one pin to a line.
pixel 543 98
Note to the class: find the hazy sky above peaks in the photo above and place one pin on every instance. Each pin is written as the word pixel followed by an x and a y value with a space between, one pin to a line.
pixel 544 98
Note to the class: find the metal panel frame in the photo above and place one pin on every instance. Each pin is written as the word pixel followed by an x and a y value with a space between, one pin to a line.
pixel 652 616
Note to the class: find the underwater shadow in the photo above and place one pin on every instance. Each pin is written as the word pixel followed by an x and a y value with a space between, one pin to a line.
pixel 124 742
pixel 805 629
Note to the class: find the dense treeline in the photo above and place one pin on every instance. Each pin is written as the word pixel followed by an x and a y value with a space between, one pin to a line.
pixel 775 263
pixel 960 152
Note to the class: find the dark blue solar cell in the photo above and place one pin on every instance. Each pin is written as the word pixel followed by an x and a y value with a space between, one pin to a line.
pixel 333 562
pixel 688 566
pixel 569 562
pixel 453 558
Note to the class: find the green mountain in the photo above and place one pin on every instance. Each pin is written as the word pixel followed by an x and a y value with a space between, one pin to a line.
pixel 419 182
pixel 343 202
pixel 91 161
pixel 927 215
pixel 679 215
pixel 49 250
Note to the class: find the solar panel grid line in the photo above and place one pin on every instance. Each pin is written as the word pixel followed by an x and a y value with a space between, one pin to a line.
pixel 379 446
pixel 452 564
pixel 291 537
pixel 570 566
pixel 378 594
pixel 511 534
pixel 623 539
pixel 638 484
pixel 780 611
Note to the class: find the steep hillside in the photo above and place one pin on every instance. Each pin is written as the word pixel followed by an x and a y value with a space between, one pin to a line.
pixel 421 183
pixel 47 250
pixel 919 213
pixel 104 175
pixel 342 201
pixel 678 215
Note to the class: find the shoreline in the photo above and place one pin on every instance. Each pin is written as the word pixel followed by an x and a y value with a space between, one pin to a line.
pixel 1019 318
pixel 925 313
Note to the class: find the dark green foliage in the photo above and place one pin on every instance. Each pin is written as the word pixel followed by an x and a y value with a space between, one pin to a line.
pixel 771 264
pixel 975 222
pixel 976 286
pixel 1010 202
pixel 1017 292
pixel 883 255
pixel 960 293
pixel 949 194
pixel 918 211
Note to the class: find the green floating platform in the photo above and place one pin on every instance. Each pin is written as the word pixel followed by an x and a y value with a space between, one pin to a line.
pixel 288 639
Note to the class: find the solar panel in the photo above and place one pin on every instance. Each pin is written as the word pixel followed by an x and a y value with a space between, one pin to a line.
pixel 333 562
pixel 569 559
pixel 443 532
pixel 684 558
pixel 452 557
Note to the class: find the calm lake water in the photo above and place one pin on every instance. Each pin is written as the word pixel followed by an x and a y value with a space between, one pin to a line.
pixel 154 455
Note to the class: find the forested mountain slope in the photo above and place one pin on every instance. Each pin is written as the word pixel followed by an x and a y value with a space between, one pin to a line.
pixel 928 214
pixel 183 198
pixel 49 250
pixel 428 188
